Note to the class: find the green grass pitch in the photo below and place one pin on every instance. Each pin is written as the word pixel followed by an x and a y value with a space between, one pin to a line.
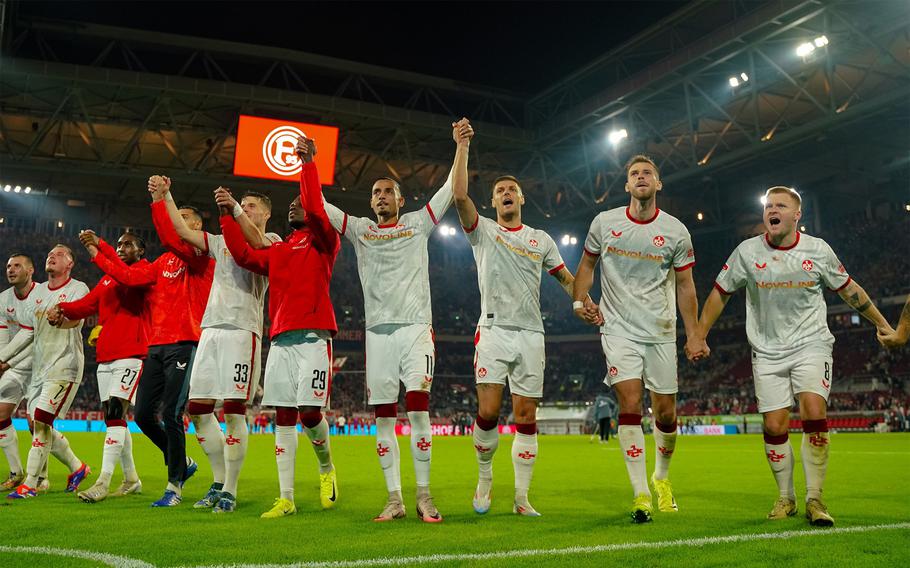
pixel 722 484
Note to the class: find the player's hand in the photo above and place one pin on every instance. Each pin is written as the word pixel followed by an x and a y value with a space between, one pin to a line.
pixel 90 241
pixel 592 313
pixel 3 367
pixel 305 148
pixel 159 186
pixel 697 349
pixel 892 339
pixel 225 200
pixel 462 132
pixel 55 316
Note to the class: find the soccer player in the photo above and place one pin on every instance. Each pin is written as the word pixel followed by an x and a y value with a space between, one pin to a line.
pixel 510 335
pixel 785 274
pixel 16 374
pixel 646 259
pixel 57 366
pixel 393 264
pixel 121 349
pixel 298 374
pixel 899 336
pixel 227 362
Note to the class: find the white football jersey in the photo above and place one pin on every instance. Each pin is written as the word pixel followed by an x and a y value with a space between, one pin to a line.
pixel 393 261
pixel 509 262
pixel 12 307
pixel 785 302
pixel 237 295
pixel 57 353
pixel 638 265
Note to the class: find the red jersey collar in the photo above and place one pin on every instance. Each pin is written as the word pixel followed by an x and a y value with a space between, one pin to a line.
pixel 772 245
pixel 637 222
pixel 60 286
pixel 32 287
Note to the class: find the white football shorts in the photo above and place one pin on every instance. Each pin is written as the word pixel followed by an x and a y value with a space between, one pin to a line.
pixel 299 369
pixel 227 365
pixel 405 353
pixel 119 379
pixel 778 381
pixel 653 363
pixel 509 353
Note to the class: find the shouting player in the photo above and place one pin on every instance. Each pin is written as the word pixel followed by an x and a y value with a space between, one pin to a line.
pixel 298 374
pixel 57 365
pixel 646 258
pixel 227 362
pixel 120 351
pixel 393 264
pixel 510 335
pixel 785 274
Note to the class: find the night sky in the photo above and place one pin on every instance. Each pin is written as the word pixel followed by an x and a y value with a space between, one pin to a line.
pixel 520 46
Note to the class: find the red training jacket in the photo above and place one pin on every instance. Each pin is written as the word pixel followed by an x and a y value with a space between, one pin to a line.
pixel 300 268
pixel 122 313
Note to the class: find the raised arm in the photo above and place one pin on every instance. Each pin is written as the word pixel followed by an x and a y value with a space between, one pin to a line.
pixel 311 197
pixel 855 297
pixel 254 260
pixel 687 300
pixel 464 205
pixel 251 232
pixel 105 258
pixel 902 334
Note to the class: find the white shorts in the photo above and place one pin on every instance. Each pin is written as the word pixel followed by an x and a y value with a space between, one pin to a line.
pixel 14 386
pixel 55 398
pixel 513 353
pixel 405 353
pixel 778 381
pixel 119 379
pixel 299 370
pixel 227 365
pixel 653 363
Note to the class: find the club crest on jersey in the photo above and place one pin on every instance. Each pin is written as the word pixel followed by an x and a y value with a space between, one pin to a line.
pixel 658 241
pixel 533 242
pixel 616 234
pixel 808 265
pixel 61 298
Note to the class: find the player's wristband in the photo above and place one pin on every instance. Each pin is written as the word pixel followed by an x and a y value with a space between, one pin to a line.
pixel 578 305
pixel 238 210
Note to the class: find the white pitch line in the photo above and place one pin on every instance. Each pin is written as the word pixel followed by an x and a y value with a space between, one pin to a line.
pixel 109 559
pixel 570 551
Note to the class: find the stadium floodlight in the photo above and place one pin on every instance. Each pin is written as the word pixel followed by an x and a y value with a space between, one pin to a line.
pixel 452 231
pixel 700 216
pixel 907 207
pixel 59 224
pixel 444 230
pixel 28 189
pixel 820 41
pixel 763 200
pixel 18 189
pixel 7 188
pixel 734 82
pixel 802 228
pixel 2 220
pixel 744 77
pixel 573 241
pixel 805 49
pixel 566 239
pixel 617 135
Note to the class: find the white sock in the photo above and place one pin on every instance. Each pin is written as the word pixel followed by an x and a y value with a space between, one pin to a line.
pixel 665 444
pixel 632 444
pixel 9 441
pixel 780 458
pixel 113 448
pixel 235 444
pixel 126 458
pixel 42 440
pixel 524 454
pixel 485 444
pixel 61 450
pixel 285 456
pixel 421 446
pixel 815 462
pixel 211 438
pixel 319 439
pixel 387 449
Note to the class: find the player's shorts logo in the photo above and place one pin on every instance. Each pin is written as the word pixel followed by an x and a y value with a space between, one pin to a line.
pixel 613 371
pixel 318 394
pixel 658 241
pixel 482 372
pixel 807 265
pixel 278 150
pixel 826 384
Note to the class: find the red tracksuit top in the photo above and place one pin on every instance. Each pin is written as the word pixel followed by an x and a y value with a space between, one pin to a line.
pixel 300 268
pixel 180 289
pixel 123 314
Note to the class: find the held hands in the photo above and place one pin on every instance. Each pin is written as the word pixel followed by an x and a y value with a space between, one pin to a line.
pixel 890 338
pixel 462 132
pixel 55 316
pixel 697 348
pixel 590 313
pixel 306 149
pixel 225 200
pixel 90 241
pixel 159 186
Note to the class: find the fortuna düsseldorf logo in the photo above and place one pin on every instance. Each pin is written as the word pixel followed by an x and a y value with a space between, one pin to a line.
pixel 278 151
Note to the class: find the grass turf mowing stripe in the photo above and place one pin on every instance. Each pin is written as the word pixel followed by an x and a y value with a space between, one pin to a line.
pixel 572 550
pixel 109 559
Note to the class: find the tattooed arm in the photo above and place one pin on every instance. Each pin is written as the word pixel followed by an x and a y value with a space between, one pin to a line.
pixel 899 337
pixel 854 295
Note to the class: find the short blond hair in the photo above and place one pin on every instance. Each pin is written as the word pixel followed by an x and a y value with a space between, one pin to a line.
pixel 642 159
pixel 788 191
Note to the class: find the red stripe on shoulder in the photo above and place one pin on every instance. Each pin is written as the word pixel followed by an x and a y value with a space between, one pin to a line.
pixel 432 215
